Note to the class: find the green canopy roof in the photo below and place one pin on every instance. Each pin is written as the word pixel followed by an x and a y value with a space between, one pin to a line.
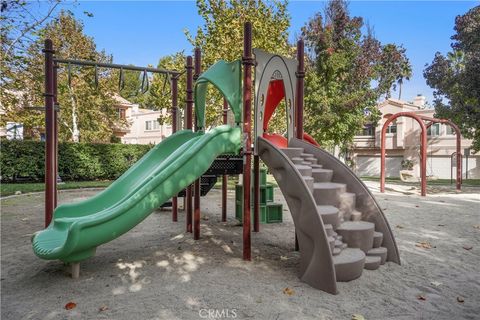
pixel 226 77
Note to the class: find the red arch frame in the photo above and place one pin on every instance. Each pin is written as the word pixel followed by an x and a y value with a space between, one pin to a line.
pixel 458 180
pixel 423 148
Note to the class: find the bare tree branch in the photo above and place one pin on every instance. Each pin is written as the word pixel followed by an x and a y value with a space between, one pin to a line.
pixel 32 27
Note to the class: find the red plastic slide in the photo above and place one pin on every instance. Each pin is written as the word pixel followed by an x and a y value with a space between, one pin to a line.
pixel 310 139
pixel 275 94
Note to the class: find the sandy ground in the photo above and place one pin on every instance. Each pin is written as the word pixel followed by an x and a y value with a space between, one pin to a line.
pixel 156 271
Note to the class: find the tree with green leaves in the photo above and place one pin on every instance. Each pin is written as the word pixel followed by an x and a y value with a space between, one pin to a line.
pixel 455 77
pixel 220 37
pixel 393 68
pixel 20 24
pixel 87 112
pixel 342 63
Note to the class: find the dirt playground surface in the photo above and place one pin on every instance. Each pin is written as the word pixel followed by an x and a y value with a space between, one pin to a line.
pixel 157 271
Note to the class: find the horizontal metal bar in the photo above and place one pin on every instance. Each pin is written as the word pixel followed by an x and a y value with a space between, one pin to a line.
pixel 114 66
pixel 36 108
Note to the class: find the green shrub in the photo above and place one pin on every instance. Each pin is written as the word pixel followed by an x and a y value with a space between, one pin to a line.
pixel 25 160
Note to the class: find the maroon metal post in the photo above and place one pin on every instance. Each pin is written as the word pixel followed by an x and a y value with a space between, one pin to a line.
pixel 224 177
pixel 189 100
pixel 174 129
pixel 55 124
pixel 423 150
pixel 300 74
pixel 50 178
pixel 196 201
pixel 247 61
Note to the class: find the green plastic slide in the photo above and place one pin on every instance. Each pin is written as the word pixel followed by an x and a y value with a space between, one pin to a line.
pixel 77 229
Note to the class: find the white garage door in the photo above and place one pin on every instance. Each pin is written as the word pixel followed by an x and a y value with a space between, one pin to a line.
pixel 370 166
pixel 440 167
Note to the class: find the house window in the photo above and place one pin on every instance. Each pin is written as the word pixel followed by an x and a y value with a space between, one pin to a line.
pixel 368 130
pixel 151 125
pixel 449 131
pixel 121 113
pixel 392 128
pixel 434 130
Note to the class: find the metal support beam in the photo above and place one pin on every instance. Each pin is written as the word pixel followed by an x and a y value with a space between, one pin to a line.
pixel 300 74
pixel 196 202
pixel 50 177
pixel 247 61
pixel 174 129
pixel 55 129
pixel 115 66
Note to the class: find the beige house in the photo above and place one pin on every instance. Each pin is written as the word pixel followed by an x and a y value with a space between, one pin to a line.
pixel 403 143
pixel 142 126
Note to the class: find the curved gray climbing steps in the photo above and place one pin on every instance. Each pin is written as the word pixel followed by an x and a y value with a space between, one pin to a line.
pixel 355 205
pixel 340 228
pixel 316 261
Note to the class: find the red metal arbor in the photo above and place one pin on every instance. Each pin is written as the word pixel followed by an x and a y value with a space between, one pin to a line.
pixel 423 148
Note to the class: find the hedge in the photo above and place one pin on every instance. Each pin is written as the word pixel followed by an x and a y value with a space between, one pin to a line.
pixel 25 160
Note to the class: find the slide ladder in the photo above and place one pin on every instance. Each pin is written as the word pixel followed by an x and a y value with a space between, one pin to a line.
pixel 339 226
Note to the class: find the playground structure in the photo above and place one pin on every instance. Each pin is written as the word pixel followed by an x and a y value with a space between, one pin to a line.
pixel 340 229
pixel 423 148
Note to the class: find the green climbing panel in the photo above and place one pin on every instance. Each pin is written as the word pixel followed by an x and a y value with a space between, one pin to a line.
pixel 270 212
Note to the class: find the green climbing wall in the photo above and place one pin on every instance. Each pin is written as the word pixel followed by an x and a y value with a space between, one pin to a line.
pixel 270 212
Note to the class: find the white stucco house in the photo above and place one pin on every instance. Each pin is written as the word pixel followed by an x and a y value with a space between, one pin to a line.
pixel 142 126
pixel 403 143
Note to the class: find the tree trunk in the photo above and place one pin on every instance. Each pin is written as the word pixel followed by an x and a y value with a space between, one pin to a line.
pixel 400 90
pixel 75 131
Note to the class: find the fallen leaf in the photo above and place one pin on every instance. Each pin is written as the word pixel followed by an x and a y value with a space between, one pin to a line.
pixel 288 291
pixel 399 226
pixel 441 225
pixel 417 206
pixel 357 317
pixel 70 305
pixel 467 247
pixel 421 297
pixel 436 283
pixel 476 226
pixel 424 245
pixel 103 308
pixel 460 299
pixel 384 209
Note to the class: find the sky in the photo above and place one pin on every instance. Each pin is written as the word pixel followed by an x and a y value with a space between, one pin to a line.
pixel 140 33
